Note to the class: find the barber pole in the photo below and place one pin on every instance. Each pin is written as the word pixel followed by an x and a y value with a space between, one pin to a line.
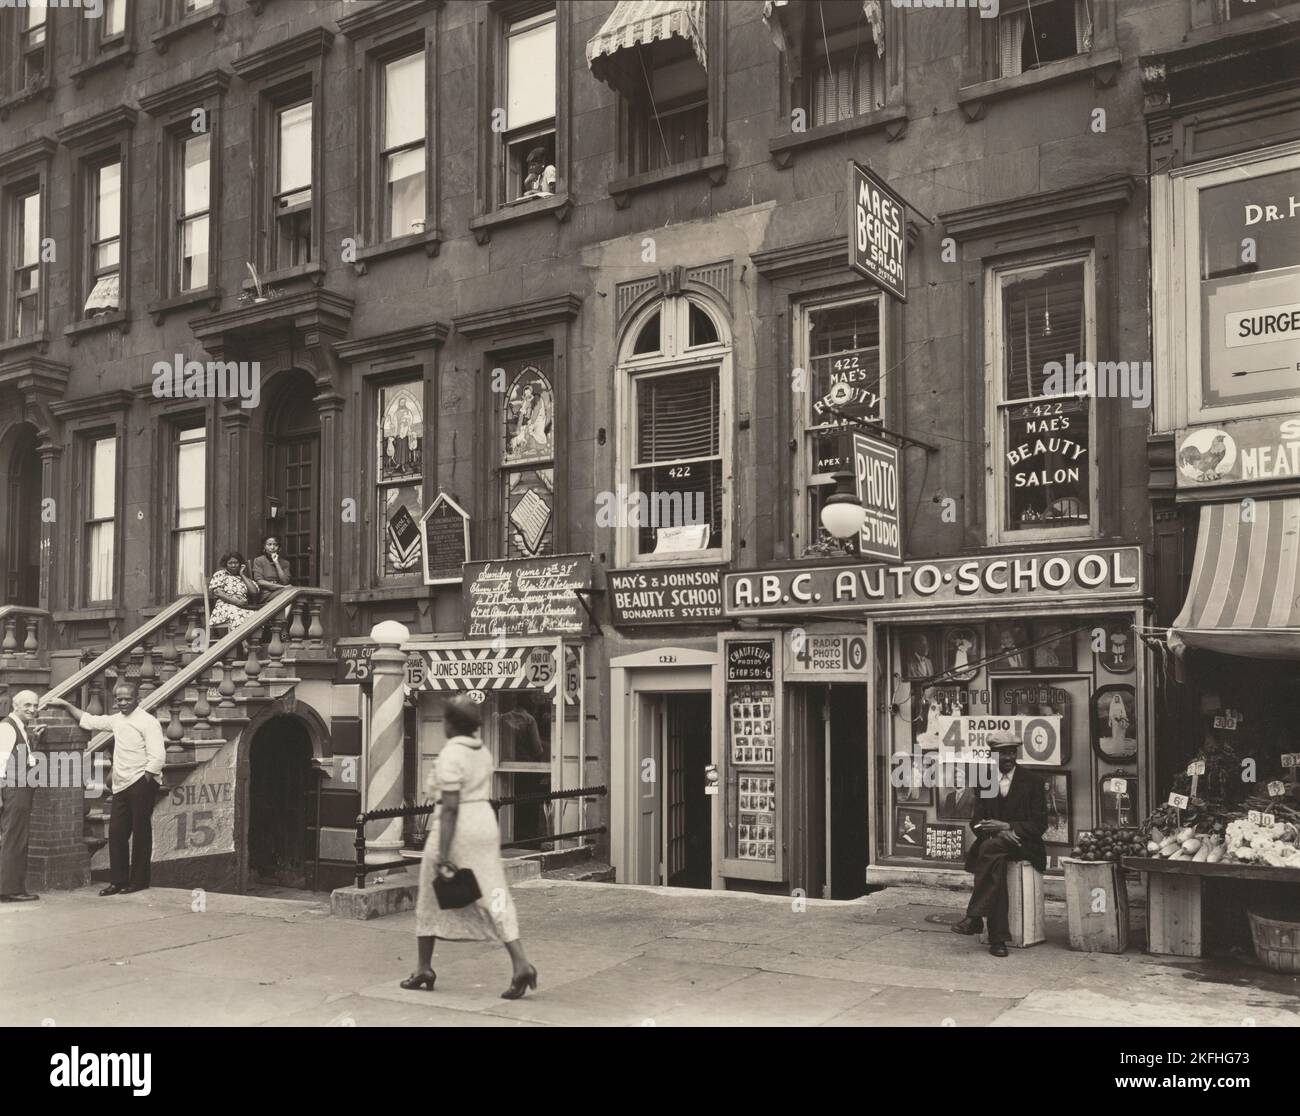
pixel 384 789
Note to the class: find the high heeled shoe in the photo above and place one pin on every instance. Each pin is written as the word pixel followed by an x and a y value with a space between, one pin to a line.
pixel 517 986
pixel 418 980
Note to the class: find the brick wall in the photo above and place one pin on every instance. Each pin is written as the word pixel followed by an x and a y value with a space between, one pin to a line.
pixel 57 857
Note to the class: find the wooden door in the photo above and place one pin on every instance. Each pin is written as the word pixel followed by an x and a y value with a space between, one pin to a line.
pixel 675 775
pixel 298 471
pixel 23 526
pixel 646 729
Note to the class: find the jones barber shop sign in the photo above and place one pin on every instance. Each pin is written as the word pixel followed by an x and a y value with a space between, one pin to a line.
pixel 1041 578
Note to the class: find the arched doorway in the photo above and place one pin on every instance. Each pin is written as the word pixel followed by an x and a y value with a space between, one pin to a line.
pixel 292 475
pixel 22 584
pixel 281 805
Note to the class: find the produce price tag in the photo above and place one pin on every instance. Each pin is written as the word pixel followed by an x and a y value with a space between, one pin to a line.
pixel 1178 801
pixel 1266 820
pixel 1230 723
pixel 1277 788
pixel 1220 722
pixel 1196 768
pixel 1254 816
pixel 1116 786
pixel 1291 759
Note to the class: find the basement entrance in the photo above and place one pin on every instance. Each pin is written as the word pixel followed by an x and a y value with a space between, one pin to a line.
pixel 281 805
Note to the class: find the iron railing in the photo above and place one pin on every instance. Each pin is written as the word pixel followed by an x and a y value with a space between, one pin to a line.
pixel 427 808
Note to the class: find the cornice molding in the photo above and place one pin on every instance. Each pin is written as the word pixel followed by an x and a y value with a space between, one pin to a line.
pixel 520 317
pixel 284 55
pixel 798 259
pixel 28 155
pixel 87 133
pixel 1108 195
pixel 35 374
pixel 394 343
pixel 377 18
pixel 187 92
pixel 102 403
pixel 318 315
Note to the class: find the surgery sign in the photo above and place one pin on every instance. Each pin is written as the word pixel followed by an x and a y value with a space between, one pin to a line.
pixel 877 232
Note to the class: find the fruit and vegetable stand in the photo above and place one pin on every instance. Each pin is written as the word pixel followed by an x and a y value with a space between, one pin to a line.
pixel 1175 897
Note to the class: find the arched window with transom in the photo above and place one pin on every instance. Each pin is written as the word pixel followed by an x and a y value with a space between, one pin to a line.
pixel 674 452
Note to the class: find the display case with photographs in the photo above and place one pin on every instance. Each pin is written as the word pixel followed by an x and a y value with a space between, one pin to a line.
pixel 751 708
pixel 752 735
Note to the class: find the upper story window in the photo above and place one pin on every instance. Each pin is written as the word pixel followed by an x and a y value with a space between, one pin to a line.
pixel 674 447
pixel 844 76
pixel 32 45
pixel 112 24
pixel 399 477
pixel 104 266
pixel 99 486
pixel 193 212
pixel 839 350
pixel 188 6
pixel 1032 33
pixel 402 146
pixel 291 201
pixel 668 121
pixel 189 483
pixel 527 456
pixel 25 282
pixel 528 95
pixel 1043 466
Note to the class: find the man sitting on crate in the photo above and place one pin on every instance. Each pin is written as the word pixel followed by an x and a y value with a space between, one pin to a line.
pixel 1009 823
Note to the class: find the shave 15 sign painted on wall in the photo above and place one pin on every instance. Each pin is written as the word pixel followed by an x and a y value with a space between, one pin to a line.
pixel 1041 578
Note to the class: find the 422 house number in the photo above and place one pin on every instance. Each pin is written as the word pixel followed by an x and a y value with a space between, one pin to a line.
pixel 680 472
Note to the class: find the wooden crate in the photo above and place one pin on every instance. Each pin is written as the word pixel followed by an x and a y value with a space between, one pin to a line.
pixel 1026 911
pixel 1096 905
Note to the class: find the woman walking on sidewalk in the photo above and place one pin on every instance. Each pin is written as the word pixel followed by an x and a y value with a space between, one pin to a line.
pixel 464 834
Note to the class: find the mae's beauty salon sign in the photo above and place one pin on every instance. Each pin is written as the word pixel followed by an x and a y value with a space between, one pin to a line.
pixel 1033 579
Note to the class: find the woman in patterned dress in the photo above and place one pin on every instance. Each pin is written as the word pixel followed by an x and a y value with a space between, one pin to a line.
pixel 464 834
pixel 233 590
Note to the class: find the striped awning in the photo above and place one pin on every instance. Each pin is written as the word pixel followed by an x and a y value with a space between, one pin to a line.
pixel 640 23
pixel 784 20
pixel 1244 597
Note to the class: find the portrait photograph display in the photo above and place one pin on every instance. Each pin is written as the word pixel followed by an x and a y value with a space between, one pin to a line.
pixel 1114 724
pixel 909 831
pixel 1054 648
pixel 1008 649
pixel 1056 791
pixel 920 653
pixel 961 647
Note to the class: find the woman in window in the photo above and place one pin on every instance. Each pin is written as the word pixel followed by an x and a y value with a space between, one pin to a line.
pixel 464 834
pixel 233 591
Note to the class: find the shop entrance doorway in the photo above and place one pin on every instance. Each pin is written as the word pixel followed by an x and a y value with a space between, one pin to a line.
pixel 680 747
pixel 281 805
pixel 835 769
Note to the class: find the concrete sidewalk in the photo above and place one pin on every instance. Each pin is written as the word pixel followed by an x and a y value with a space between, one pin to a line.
pixel 607 954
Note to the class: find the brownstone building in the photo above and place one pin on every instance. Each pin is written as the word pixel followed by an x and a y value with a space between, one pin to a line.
pixel 571 281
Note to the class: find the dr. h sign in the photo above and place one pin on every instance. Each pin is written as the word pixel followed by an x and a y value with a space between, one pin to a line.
pixel 877 232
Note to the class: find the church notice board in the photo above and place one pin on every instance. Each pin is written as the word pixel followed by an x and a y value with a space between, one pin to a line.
pixel 445 530
pixel 527 596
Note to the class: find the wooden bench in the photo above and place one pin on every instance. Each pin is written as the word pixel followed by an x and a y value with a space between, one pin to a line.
pixel 1026 910
pixel 1175 893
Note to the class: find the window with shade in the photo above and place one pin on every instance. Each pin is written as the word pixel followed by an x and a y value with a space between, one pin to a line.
pixel 104 210
pixel 845 75
pixel 668 118
pixel 528 160
pixel 402 155
pixel 839 361
pixel 291 203
pixel 193 212
pixel 673 500
pixel 32 41
pixel 189 459
pixel 1043 410
pixel 99 487
pixel 1033 34
pixel 25 282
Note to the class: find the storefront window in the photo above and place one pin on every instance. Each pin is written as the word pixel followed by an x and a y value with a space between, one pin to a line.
pixel 841 357
pixel 752 752
pixel 1067 686
pixel 1043 410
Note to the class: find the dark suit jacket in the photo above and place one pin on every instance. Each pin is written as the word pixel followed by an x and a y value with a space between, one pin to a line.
pixel 264 570
pixel 1025 807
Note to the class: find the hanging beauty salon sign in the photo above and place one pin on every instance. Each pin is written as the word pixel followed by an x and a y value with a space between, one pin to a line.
pixel 1033 579
pixel 1243 451
pixel 877 232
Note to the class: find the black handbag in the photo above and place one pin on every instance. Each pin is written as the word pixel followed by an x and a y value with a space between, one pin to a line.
pixel 460 889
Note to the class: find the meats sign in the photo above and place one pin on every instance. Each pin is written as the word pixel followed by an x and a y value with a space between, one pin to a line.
pixel 1044 578
pixel 1244 451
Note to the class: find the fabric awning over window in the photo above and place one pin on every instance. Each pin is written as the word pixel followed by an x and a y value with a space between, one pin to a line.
pixel 642 22
pixel 784 19
pixel 1244 597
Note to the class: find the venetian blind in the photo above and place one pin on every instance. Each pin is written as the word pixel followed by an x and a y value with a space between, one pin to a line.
pixel 677 416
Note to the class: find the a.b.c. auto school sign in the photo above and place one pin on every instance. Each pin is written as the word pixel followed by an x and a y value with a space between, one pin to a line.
pixel 1042 578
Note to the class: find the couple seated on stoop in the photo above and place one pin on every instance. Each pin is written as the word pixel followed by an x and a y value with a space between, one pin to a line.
pixel 1009 823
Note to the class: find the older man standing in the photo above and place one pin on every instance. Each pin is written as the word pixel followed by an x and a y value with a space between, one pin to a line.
pixel 138 755
pixel 18 732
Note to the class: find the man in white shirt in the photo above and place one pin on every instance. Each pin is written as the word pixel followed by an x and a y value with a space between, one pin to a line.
pixel 18 732
pixel 139 752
